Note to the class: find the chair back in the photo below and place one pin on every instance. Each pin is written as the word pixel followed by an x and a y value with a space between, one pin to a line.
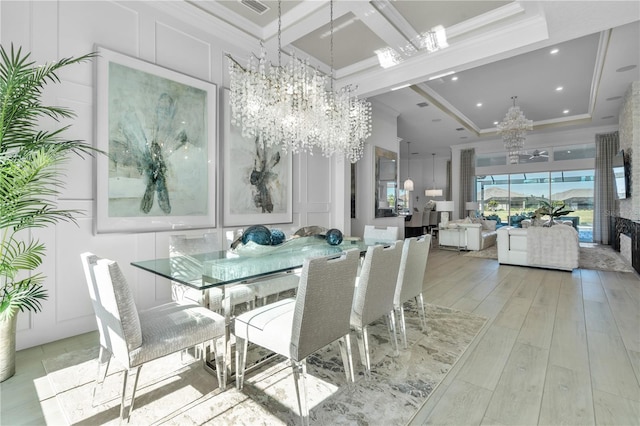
pixel 323 303
pixel 183 266
pixel 374 294
pixel 412 268
pixel 114 306
pixel 384 234
pixel 416 220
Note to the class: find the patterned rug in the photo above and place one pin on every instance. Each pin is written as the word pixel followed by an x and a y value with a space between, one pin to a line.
pixel 171 392
pixel 592 256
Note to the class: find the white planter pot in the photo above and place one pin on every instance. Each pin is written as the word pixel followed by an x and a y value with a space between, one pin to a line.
pixel 8 348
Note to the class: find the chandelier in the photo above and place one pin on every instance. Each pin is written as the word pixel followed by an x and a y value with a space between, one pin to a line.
pixel 433 192
pixel 408 184
pixel 431 41
pixel 513 129
pixel 290 106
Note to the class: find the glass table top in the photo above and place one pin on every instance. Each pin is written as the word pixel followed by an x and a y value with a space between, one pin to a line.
pixel 218 268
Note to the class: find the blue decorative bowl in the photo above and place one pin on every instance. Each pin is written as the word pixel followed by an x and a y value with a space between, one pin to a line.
pixel 259 234
pixel 277 237
pixel 334 237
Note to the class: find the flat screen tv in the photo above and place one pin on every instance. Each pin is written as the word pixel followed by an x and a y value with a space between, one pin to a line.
pixel 621 176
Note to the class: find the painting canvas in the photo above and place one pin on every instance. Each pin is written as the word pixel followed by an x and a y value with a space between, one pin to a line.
pixel 257 179
pixel 158 128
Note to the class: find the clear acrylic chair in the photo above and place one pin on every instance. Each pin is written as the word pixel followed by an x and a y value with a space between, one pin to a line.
pixel 413 263
pixel 380 234
pixel 296 328
pixel 374 296
pixel 134 338
pixel 183 246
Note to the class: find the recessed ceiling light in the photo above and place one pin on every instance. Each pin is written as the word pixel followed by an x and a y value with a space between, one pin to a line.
pixel 479 104
pixel 554 51
pixel 454 78
pixel 558 89
pixel 459 129
pixel 566 111
pixel 627 68
pixel 495 123
pixel 614 98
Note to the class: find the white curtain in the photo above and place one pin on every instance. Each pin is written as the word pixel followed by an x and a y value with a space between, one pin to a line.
pixel 467 174
pixel 605 204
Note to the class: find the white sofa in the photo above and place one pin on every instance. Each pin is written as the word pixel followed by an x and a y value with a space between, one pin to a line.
pixel 476 236
pixel 555 247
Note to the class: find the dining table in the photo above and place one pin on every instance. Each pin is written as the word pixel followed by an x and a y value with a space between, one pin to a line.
pixel 250 263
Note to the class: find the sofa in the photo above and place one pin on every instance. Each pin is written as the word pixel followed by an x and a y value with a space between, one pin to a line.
pixel 476 236
pixel 554 247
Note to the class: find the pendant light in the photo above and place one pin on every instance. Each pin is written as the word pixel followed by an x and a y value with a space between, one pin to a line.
pixel 433 192
pixel 408 184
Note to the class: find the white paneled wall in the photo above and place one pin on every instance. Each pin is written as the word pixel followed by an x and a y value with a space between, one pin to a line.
pixel 167 34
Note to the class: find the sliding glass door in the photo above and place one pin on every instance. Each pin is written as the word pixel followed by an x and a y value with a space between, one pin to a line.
pixel 511 198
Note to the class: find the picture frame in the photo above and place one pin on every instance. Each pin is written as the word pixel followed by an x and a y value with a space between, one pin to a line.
pixel 158 128
pixel 254 194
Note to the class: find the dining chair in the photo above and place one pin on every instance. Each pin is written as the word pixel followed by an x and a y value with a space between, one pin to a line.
pixel 380 234
pixel 181 247
pixel 413 263
pixel 135 337
pixel 296 328
pixel 373 298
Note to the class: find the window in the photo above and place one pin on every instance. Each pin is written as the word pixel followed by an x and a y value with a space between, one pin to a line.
pixel 512 198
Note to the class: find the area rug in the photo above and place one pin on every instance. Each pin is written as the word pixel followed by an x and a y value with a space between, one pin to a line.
pixel 170 392
pixel 600 257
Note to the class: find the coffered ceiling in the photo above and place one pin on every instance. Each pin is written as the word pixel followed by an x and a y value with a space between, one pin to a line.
pixel 497 50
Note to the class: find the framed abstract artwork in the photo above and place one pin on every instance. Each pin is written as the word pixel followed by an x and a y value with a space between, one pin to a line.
pixel 257 183
pixel 158 128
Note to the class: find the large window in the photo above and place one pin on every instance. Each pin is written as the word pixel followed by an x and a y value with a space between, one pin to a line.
pixel 514 197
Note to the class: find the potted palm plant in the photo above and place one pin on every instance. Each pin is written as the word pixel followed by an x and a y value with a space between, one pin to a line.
pixel 30 181
pixel 553 210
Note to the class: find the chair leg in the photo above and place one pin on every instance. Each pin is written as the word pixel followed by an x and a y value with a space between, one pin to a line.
pixel 300 379
pixel 221 370
pixel 391 325
pixel 347 359
pixel 363 346
pixel 423 314
pixel 133 371
pixel 241 360
pixel 403 325
pixel 104 359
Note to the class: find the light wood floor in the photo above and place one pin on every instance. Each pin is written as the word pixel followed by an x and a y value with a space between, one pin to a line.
pixel 559 348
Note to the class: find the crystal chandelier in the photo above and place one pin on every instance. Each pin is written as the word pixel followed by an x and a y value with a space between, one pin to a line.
pixel 513 129
pixel 290 106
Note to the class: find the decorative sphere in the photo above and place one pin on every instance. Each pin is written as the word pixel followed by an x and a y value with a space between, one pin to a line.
pixel 277 237
pixel 259 234
pixel 334 237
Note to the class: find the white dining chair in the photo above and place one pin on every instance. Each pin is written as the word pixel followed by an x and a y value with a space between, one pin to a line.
pixel 135 337
pixel 380 234
pixel 413 263
pixel 296 328
pixel 373 296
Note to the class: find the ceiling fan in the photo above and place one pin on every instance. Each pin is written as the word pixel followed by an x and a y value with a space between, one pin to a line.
pixel 537 154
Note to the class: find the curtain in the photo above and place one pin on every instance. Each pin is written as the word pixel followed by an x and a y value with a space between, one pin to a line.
pixel 467 174
pixel 604 203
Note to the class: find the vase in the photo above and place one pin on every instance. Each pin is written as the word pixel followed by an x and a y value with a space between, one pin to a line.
pixel 8 347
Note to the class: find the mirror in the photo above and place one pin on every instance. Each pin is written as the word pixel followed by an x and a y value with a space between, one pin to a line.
pixel 386 183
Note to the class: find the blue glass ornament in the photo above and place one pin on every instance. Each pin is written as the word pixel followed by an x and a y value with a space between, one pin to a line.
pixel 334 237
pixel 259 234
pixel 277 237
